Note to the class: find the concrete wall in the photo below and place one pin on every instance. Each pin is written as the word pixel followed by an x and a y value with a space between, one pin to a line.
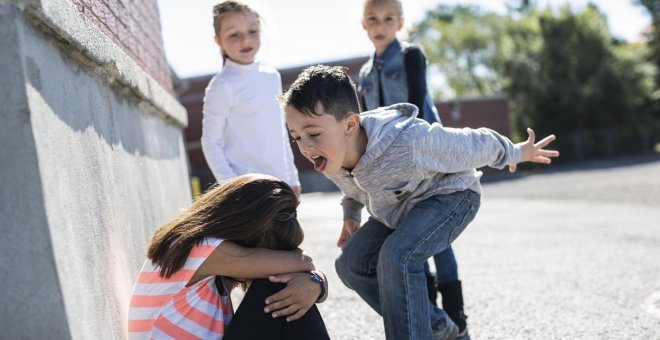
pixel 92 161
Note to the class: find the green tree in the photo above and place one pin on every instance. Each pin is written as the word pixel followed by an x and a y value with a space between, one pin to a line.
pixel 585 86
pixel 460 42
pixel 562 72
pixel 653 37
pixel 519 5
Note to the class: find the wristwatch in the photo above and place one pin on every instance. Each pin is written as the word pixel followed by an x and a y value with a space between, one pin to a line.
pixel 319 278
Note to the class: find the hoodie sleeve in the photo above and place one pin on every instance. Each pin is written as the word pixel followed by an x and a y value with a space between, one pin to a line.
pixel 449 150
pixel 352 208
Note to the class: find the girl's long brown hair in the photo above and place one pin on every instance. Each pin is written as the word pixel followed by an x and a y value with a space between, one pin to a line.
pixel 252 210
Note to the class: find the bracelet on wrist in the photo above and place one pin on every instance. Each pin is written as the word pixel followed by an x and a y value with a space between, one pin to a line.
pixel 319 278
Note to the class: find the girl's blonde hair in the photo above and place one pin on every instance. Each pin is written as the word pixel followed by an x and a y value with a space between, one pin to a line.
pixel 226 7
pixel 396 4
pixel 252 210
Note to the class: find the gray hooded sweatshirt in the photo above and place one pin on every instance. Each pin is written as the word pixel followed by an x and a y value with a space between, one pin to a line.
pixel 408 160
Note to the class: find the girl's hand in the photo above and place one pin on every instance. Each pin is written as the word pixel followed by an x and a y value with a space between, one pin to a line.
pixel 297 191
pixel 347 231
pixel 534 152
pixel 296 299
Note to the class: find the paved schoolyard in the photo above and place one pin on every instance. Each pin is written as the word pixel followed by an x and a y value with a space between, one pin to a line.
pixel 569 253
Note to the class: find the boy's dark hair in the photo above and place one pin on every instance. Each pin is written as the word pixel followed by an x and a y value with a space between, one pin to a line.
pixel 328 85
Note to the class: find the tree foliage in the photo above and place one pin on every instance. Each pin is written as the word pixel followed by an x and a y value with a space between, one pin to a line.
pixel 562 71
pixel 461 42
pixel 653 36
pixel 653 6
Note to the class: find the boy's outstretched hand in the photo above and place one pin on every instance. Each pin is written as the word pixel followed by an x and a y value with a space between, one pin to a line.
pixel 534 152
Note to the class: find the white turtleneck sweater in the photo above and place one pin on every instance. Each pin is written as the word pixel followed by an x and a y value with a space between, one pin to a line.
pixel 243 129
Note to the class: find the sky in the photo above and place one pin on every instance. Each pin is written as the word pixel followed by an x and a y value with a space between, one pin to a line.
pixel 300 32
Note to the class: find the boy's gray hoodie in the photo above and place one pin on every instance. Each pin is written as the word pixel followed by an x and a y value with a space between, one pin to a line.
pixel 407 161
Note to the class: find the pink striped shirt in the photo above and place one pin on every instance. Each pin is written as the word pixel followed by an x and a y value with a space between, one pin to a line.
pixel 164 308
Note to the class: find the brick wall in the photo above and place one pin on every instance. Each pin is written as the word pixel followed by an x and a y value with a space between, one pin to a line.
pixel 135 27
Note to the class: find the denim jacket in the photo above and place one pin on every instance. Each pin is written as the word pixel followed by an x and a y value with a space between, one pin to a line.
pixel 390 68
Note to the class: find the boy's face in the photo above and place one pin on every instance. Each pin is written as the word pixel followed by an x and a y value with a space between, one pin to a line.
pixel 323 140
pixel 381 21
pixel 239 36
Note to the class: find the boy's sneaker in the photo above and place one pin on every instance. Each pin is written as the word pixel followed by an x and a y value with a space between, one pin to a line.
pixel 464 335
pixel 446 334
pixel 445 329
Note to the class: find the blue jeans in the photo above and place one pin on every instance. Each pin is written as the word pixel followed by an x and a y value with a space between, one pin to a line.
pixel 446 269
pixel 386 266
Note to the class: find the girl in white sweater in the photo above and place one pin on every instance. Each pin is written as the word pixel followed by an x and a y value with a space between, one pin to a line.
pixel 243 129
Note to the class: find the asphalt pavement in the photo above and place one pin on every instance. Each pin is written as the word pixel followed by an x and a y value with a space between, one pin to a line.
pixel 570 252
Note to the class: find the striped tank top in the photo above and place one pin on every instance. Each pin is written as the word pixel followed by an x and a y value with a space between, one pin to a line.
pixel 164 308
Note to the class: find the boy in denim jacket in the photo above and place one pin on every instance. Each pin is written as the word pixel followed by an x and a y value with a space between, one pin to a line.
pixel 417 180
pixel 396 73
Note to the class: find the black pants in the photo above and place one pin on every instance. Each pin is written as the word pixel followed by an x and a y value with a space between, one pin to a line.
pixel 250 321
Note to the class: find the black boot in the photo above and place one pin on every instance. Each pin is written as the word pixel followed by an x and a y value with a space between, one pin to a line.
pixel 452 302
pixel 430 287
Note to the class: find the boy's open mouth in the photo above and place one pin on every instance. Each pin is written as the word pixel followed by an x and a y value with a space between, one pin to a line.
pixel 319 163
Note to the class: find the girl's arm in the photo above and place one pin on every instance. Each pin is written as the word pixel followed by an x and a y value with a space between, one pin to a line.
pixel 291 170
pixel 233 260
pixel 217 103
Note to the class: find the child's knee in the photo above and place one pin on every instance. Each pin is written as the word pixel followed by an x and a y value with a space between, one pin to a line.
pixel 396 259
pixel 391 261
pixel 342 263
pixel 264 287
pixel 348 264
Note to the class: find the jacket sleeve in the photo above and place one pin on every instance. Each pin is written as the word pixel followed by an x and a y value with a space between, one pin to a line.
pixel 352 208
pixel 448 150
pixel 217 103
pixel 415 65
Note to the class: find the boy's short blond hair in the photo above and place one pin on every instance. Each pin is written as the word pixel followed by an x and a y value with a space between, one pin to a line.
pixel 396 4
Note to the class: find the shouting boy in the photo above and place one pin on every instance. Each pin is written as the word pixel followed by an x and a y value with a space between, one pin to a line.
pixel 417 180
